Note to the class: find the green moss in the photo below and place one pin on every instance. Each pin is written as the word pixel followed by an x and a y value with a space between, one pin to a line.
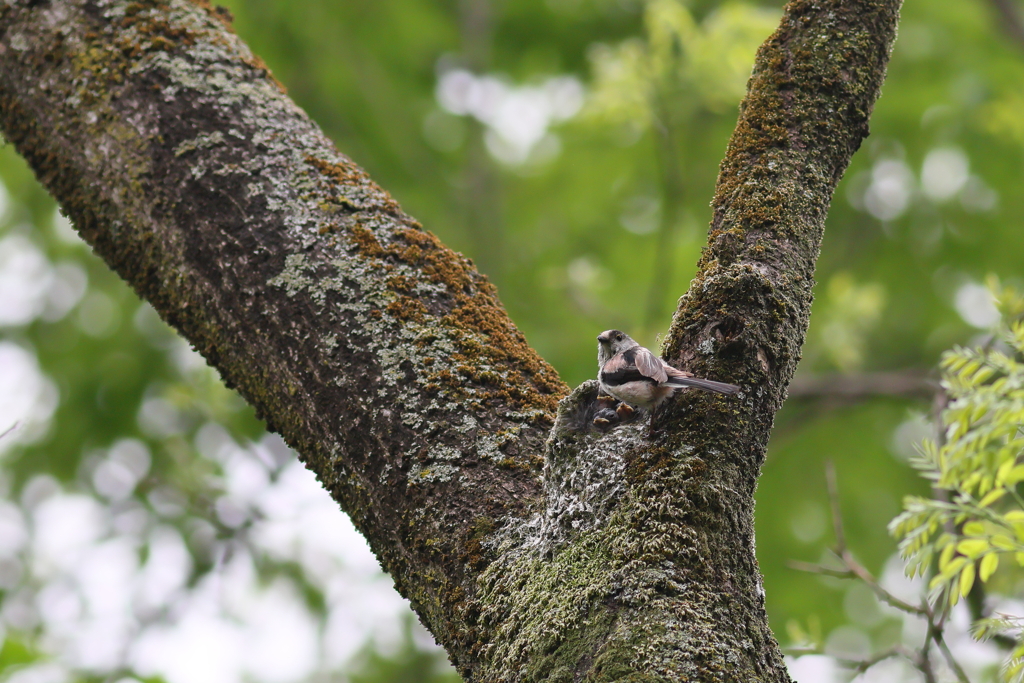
pixel 627 595
pixel 481 336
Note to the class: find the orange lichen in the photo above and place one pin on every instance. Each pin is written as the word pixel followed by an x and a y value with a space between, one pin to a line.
pixel 401 284
pixel 407 308
pixel 161 34
pixel 328 228
pixel 491 353
pixel 350 175
pixel 258 65
pixel 365 242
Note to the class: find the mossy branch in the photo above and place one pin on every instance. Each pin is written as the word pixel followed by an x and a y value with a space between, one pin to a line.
pixel 387 361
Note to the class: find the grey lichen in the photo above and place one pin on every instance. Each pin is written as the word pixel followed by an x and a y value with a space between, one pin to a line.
pixel 434 472
pixel 549 597
pixel 606 537
pixel 293 278
pixel 584 472
pixel 200 142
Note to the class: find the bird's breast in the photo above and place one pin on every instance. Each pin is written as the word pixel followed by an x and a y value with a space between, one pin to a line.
pixel 644 393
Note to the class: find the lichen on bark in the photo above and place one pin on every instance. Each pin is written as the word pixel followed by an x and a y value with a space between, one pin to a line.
pixel 534 545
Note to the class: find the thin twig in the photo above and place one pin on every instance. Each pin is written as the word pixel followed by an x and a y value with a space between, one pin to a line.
pixel 882 594
pixel 862 665
pixel 855 571
pixel 961 675
pixel 833 499
pixel 924 662
pixel 9 429
pixel 855 568
pixel 812 568
pixel 852 569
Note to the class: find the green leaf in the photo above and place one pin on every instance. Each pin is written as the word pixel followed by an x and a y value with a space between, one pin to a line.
pixel 967 579
pixel 1003 471
pixel 954 597
pixel 1003 542
pixel 974 529
pixel 946 556
pixel 1015 476
pixel 988 566
pixel 973 547
pixel 993 496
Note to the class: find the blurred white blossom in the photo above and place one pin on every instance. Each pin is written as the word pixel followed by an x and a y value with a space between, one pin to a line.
pixel 976 305
pixel 889 189
pixel 25 277
pixel 517 117
pixel 114 578
pixel 641 214
pixel 814 669
pixel 892 185
pixel 944 173
pixel 28 398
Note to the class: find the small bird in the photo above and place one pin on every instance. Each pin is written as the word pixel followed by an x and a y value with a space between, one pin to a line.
pixel 634 375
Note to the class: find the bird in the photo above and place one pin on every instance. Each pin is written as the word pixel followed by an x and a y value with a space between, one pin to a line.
pixel 634 375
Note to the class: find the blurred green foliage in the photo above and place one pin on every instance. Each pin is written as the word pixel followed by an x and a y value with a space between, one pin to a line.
pixel 570 147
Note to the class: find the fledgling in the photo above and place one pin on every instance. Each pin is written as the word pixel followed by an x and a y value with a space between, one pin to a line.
pixel 634 375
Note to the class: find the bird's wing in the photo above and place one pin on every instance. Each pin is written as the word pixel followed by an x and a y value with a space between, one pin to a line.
pixel 621 369
pixel 682 378
pixel 650 365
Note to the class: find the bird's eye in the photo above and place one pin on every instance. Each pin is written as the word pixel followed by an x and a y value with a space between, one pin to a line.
pixel 618 337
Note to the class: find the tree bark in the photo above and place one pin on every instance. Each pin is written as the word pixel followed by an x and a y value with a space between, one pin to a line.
pixel 534 546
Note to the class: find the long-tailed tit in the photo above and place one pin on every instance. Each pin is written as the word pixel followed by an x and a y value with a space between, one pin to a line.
pixel 634 375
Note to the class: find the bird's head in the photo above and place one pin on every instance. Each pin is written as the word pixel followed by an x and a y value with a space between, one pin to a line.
pixel 611 342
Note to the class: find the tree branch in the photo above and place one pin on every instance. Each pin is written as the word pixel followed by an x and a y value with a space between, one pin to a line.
pixel 387 361
pixel 858 387
pixel 383 357
pixel 1008 12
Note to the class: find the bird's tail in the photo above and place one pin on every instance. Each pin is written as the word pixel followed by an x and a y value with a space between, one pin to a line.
pixel 705 384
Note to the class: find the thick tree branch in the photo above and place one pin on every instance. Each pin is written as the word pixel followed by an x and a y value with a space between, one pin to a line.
pixel 383 357
pixel 858 387
pixel 386 360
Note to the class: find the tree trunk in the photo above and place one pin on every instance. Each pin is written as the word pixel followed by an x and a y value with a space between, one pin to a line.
pixel 534 546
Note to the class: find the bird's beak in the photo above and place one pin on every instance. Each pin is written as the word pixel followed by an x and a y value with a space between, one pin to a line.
pixel 601 338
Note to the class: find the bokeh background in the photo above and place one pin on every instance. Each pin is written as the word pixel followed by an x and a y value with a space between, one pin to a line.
pixel 150 530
